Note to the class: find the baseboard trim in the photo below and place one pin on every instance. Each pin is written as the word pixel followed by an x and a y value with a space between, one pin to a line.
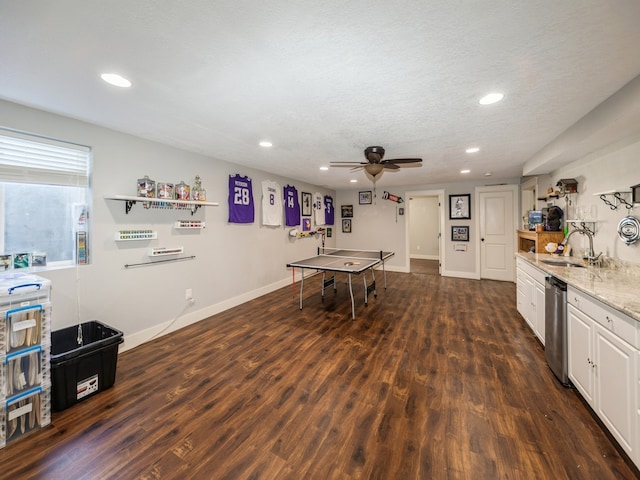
pixel 139 338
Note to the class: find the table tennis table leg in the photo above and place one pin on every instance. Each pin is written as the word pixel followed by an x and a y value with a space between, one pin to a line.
pixel 353 308
pixel 384 275
pixel 366 289
pixel 301 285
pixel 373 277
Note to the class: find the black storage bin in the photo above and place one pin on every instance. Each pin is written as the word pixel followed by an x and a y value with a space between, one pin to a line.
pixel 81 371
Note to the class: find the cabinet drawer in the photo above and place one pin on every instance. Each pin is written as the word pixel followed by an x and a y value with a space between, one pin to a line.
pixel 534 272
pixel 617 322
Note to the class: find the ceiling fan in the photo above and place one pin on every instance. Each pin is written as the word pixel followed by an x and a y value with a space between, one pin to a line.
pixel 375 163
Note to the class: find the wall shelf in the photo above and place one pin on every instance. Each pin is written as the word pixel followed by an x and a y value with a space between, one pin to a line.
pixel 129 235
pixel 130 201
pixel 162 251
pixel 189 225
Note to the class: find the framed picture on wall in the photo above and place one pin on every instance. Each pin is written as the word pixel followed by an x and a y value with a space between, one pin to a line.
pixel 347 211
pixel 460 234
pixel 346 225
pixel 365 198
pixel 460 206
pixel 306 204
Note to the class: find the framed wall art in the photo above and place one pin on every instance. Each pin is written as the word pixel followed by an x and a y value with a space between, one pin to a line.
pixel 460 234
pixel 460 206
pixel 346 225
pixel 306 204
pixel 365 198
pixel 347 211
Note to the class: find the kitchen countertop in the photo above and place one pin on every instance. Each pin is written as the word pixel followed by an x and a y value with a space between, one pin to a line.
pixel 617 286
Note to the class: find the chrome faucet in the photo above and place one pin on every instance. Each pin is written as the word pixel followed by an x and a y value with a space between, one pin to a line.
pixel 591 257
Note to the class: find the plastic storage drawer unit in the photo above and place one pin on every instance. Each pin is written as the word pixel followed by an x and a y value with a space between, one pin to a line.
pixel 83 362
pixel 25 413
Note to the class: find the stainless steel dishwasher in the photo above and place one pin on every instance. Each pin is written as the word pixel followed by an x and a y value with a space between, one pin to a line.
pixel 555 333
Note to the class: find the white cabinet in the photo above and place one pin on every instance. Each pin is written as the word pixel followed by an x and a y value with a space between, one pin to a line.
pixel 615 387
pixel 603 365
pixel 580 352
pixel 530 296
pixel 539 322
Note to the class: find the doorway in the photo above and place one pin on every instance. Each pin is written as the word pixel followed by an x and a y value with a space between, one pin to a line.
pixel 424 231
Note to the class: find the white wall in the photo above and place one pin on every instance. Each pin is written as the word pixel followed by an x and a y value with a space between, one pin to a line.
pixel 615 167
pixel 233 263
pixel 373 227
pixel 424 227
pixel 378 227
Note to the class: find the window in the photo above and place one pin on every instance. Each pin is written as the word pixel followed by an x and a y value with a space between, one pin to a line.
pixel 44 201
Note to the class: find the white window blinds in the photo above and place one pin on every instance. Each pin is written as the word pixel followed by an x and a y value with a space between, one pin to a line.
pixel 32 159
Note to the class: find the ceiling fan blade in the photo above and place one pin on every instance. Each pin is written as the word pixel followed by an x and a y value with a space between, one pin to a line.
pixel 391 166
pixel 346 164
pixel 402 160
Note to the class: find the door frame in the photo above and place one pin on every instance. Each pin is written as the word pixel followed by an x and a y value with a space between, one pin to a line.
pixel 426 193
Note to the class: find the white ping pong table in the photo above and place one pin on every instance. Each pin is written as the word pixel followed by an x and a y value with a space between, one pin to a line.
pixel 351 262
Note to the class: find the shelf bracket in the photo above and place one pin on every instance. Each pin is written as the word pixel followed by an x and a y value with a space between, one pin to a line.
pixel 127 206
pixel 622 201
pixel 618 200
pixel 194 209
pixel 583 226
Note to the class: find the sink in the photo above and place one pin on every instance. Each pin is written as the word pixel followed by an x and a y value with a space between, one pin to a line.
pixel 562 263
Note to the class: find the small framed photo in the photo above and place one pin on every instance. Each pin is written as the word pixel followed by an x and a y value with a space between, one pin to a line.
pixel 400 210
pixel 459 234
pixel 6 262
pixel 347 211
pixel 329 232
pixel 39 259
pixel 306 224
pixel 365 198
pixel 21 260
pixel 306 204
pixel 346 225
pixel 460 206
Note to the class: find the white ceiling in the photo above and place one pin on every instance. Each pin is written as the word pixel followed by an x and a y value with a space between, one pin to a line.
pixel 323 79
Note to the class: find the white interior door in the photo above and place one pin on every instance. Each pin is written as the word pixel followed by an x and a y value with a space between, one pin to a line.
pixel 497 232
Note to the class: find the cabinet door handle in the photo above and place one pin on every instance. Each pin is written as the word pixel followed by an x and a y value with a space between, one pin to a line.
pixel 609 320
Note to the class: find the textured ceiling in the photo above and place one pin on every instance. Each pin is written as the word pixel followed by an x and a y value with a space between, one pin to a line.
pixel 324 79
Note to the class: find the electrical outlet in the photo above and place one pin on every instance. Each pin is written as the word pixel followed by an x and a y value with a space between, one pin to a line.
pixel 189 294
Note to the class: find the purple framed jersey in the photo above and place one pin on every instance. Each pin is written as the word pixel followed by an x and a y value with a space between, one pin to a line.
pixel 291 206
pixel 329 211
pixel 240 199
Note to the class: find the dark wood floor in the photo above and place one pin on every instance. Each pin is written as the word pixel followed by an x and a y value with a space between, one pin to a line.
pixel 427 267
pixel 438 378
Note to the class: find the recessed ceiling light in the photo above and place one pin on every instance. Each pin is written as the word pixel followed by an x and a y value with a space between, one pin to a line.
pixel 353 180
pixel 472 150
pixel 266 144
pixel 115 79
pixel 491 98
pixel 465 171
pixel 324 168
pixel 488 174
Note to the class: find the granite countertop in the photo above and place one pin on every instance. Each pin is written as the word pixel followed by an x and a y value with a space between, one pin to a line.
pixel 617 285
